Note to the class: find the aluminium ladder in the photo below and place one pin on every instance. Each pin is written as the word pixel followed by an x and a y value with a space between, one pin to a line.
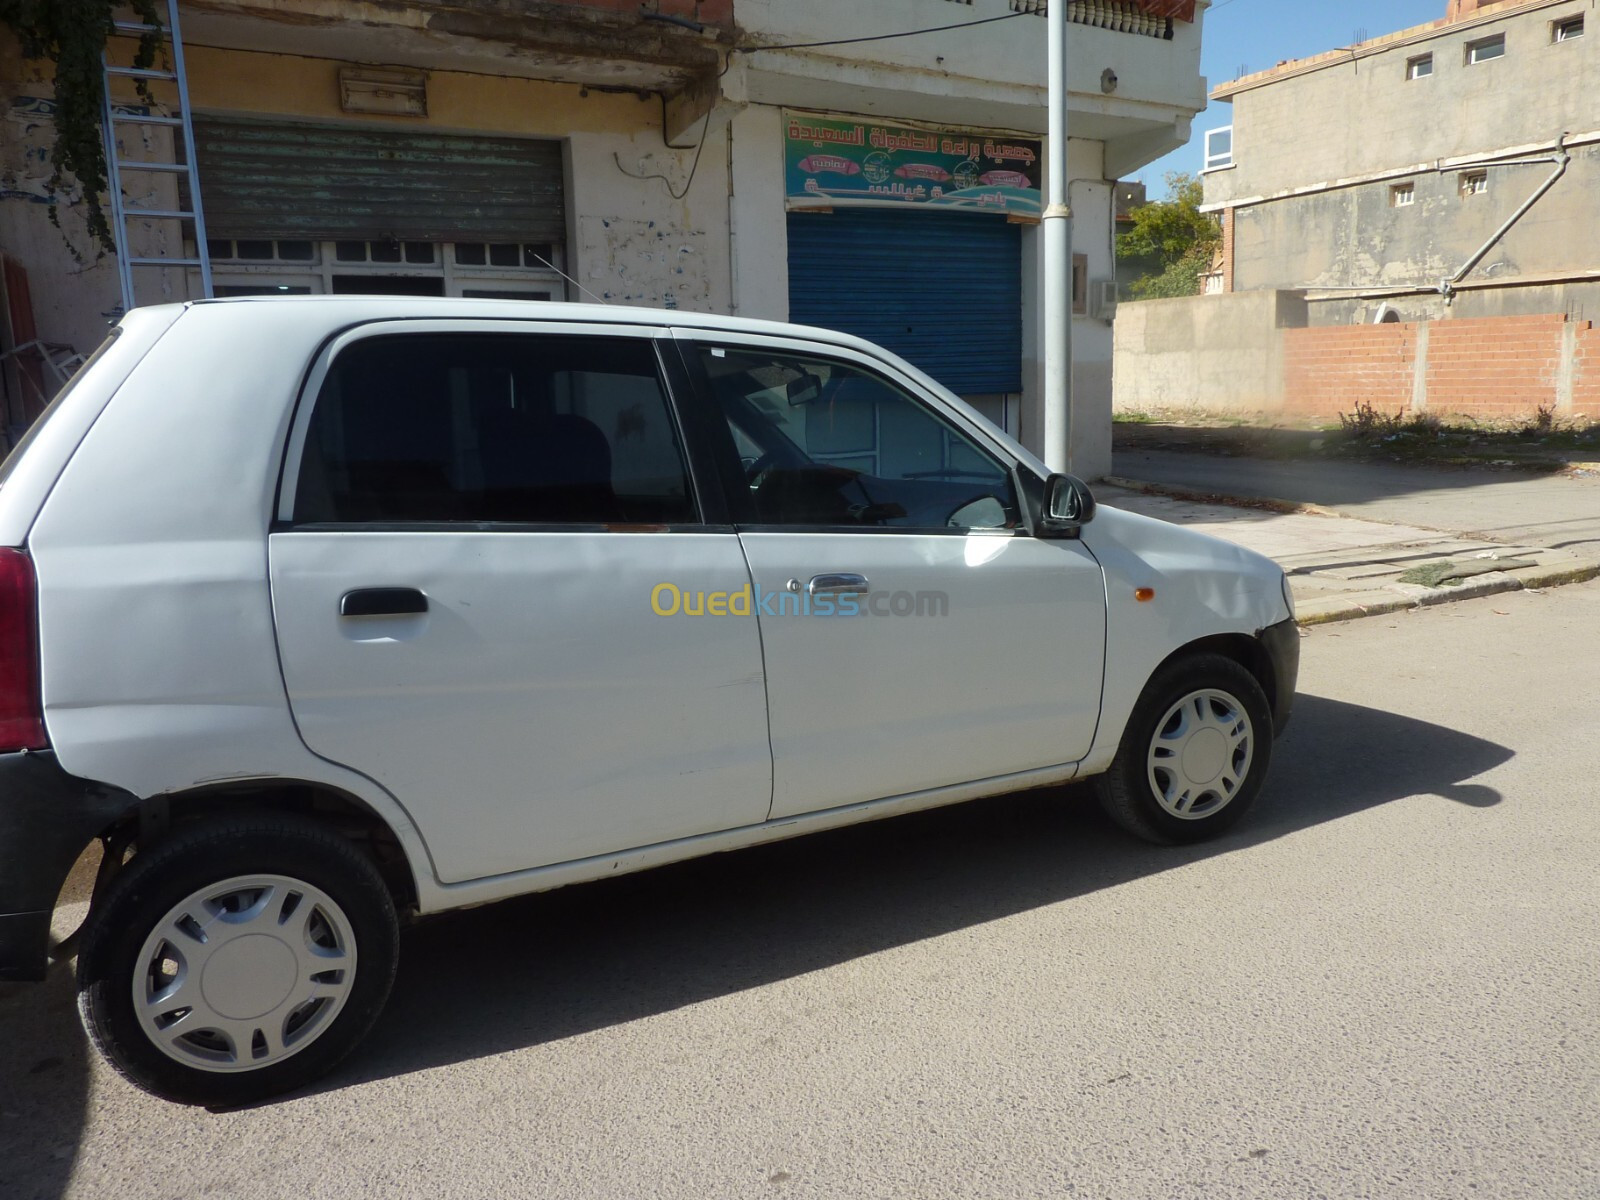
pixel 186 170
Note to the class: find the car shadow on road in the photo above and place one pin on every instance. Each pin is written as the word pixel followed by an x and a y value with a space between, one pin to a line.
pixel 542 968
pixel 44 1086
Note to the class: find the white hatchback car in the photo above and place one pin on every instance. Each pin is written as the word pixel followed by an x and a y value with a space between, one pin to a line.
pixel 317 612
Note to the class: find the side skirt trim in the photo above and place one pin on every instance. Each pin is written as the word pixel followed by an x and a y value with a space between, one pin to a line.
pixel 440 898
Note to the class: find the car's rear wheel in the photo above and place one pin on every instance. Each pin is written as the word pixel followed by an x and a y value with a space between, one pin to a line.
pixel 237 959
pixel 1194 753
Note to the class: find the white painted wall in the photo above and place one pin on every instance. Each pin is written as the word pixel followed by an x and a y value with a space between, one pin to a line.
pixel 633 242
pixel 760 242
pixel 998 63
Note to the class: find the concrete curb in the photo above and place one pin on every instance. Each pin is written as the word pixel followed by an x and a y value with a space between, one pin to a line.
pixel 1200 496
pixel 1527 579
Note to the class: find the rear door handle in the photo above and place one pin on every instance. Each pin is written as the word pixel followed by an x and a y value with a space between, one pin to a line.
pixel 824 585
pixel 383 602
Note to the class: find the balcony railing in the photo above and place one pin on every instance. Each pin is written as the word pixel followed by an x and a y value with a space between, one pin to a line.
pixel 1149 18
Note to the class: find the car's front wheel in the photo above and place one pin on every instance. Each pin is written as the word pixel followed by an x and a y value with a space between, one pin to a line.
pixel 237 959
pixel 1194 753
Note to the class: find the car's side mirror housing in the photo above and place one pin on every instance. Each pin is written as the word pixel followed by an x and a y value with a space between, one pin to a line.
pixel 1064 507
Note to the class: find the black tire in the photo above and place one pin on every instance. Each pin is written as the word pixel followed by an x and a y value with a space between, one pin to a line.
pixel 197 857
pixel 1127 791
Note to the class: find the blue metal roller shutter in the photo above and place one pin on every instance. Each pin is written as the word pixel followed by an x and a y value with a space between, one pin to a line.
pixel 943 290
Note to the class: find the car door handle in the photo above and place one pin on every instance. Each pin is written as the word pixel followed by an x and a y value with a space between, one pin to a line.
pixel 383 602
pixel 824 585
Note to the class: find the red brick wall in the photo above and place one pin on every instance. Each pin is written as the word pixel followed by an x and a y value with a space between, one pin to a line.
pixel 1494 366
pixel 1487 367
pixel 1329 369
pixel 1586 373
pixel 1227 249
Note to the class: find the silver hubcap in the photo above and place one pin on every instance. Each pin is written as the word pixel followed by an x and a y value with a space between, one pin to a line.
pixel 244 973
pixel 1200 755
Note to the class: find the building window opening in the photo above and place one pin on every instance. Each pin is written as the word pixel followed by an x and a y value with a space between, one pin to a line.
pixel 1474 183
pixel 1485 49
pixel 1420 67
pixel 1219 148
pixel 1402 195
pixel 1567 29
pixel 248 250
pixel 487 270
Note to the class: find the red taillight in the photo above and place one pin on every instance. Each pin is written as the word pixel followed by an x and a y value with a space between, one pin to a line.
pixel 21 711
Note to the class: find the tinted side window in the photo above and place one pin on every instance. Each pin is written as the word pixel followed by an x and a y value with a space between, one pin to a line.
pixel 827 443
pixel 511 428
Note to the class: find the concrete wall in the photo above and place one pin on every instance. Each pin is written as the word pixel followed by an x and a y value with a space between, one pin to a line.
pixel 1092 227
pixel 1209 353
pixel 1320 146
pixel 1349 113
pixel 1578 300
pixel 990 76
pixel 1356 237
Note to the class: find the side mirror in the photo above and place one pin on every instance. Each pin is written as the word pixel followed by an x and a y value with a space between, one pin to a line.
pixel 1068 506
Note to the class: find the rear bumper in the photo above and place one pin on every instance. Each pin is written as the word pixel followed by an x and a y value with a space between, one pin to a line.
pixel 1282 644
pixel 47 817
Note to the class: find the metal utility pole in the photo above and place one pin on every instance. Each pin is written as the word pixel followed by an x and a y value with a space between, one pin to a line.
pixel 1057 449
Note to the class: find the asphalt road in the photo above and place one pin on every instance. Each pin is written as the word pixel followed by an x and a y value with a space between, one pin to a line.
pixel 1523 507
pixel 1386 984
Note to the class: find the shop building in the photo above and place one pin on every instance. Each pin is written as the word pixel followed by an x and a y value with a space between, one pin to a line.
pixel 706 155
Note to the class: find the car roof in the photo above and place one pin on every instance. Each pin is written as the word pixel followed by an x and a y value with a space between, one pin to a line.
pixel 354 309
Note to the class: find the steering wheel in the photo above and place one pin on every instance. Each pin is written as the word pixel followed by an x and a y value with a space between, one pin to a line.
pixel 755 472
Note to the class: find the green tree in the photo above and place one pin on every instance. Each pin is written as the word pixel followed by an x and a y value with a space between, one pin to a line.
pixel 1173 239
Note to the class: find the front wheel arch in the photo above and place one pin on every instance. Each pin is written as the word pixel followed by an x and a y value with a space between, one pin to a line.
pixel 1243 649
pixel 1133 791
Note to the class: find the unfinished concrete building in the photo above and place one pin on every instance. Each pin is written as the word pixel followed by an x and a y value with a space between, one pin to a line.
pixel 1406 223
pixel 1452 168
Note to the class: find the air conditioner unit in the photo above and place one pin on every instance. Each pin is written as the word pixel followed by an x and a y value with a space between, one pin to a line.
pixel 1103 299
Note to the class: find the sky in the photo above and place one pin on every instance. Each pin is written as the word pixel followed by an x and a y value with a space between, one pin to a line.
pixel 1257 34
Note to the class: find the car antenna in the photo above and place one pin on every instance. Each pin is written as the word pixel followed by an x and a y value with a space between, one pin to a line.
pixel 568 278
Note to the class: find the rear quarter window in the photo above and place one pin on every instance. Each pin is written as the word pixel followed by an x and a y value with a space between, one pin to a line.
pixel 55 405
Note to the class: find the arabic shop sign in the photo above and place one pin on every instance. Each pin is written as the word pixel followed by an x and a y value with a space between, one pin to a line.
pixel 837 162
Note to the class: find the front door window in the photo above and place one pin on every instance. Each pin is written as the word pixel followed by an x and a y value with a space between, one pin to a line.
pixel 826 443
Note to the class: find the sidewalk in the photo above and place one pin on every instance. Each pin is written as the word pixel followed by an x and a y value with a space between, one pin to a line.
pixel 1541 508
pixel 1341 567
